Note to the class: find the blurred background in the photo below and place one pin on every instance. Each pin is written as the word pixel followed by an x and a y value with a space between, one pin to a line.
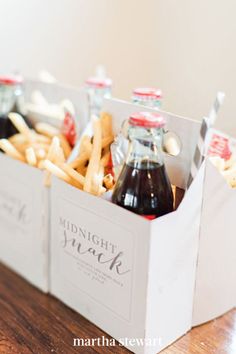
pixel 185 47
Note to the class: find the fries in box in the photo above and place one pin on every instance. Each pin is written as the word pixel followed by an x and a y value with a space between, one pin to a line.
pixel 42 147
pixel 88 170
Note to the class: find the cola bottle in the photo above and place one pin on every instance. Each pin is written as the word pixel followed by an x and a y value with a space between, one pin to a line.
pixel 143 185
pixel 10 92
pixel 98 87
pixel 148 96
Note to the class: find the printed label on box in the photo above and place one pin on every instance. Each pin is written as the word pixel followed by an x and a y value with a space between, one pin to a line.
pixel 15 213
pixel 219 146
pixel 96 256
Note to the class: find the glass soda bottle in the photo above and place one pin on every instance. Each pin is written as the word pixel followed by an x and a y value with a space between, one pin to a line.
pixel 146 96
pixel 143 185
pixel 10 91
pixel 98 88
pixel 153 98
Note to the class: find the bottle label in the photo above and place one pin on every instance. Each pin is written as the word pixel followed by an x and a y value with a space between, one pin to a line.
pixel 69 128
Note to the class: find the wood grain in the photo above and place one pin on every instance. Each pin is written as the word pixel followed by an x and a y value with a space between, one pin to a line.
pixel 32 322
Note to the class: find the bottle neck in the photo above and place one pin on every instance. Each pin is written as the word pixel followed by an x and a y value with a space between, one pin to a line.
pixel 149 102
pixel 145 147
pixel 96 98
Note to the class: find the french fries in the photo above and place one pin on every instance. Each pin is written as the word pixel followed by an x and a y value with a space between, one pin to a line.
pixel 91 183
pixel 46 129
pixel 30 156
pixel 65 145
pixel 44 148
pixel 108 181
pixel 55 170
pixel 10 150
pixel 72 173
pixel 95 182
pixel 47 149
pixel 88 168
pixel 18 121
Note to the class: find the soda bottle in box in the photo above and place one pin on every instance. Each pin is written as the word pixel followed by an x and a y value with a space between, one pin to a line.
pixel 11 100
pixel 143 185
pixel 9 90
pixel 98 87
pixel 153 98
pixel 146 96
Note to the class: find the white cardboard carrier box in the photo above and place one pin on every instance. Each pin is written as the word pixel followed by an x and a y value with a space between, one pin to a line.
pixel 24 202
pixel 132 277
pixel 215 291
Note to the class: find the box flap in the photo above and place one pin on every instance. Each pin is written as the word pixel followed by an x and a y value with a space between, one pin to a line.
pixel 215 291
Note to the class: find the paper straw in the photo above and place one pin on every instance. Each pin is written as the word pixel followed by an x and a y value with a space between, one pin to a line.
pixel 207 124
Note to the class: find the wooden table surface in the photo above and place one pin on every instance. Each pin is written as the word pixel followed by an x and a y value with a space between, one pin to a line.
pixel 32 322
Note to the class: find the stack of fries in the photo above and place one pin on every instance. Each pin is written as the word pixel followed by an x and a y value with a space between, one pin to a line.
pixel 88 170
pixel 46 148
pixel 38 147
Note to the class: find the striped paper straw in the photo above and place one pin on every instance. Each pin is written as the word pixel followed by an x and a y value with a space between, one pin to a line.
pixel 207 123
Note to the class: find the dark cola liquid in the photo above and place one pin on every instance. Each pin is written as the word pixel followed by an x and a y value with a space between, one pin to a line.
pixel 7 129
pixel 145 189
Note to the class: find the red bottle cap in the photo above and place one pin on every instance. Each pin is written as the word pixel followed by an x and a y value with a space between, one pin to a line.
pixel 147 120
pixel 148 92
pixel 10 80
pixel 98 82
